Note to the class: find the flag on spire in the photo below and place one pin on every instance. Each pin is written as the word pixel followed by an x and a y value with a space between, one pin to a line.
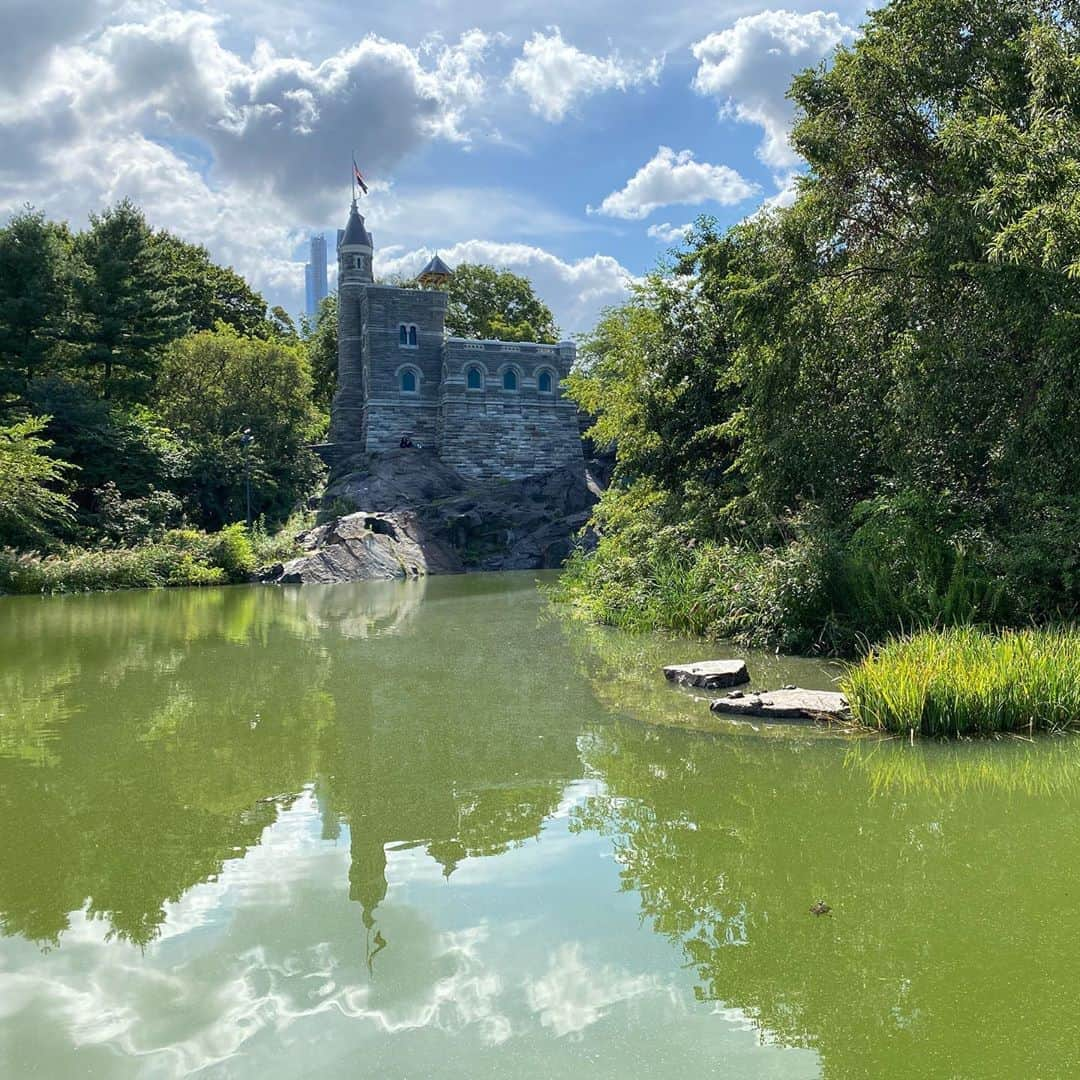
pixel 358 176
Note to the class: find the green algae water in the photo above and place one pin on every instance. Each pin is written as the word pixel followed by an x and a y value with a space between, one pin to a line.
pixel 434 829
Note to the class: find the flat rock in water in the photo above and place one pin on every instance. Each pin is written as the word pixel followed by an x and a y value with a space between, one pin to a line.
pixel 709 674
pixel 794 704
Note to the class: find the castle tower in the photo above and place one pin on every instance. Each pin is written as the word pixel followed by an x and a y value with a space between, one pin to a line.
pixel 355 251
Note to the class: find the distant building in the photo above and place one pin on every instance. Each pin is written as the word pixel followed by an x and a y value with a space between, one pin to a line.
pixel 315 288
pixel 490 409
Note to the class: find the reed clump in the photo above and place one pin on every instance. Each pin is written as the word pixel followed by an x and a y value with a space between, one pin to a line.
pixel 966 681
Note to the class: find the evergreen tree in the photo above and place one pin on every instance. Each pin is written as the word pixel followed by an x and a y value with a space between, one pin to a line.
pixel 129 314
pixel 36 310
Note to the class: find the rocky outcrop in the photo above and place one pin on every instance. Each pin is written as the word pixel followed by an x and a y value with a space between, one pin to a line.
pixel 708 674
pixel 363 547
pixel 791 703
pixel 525 524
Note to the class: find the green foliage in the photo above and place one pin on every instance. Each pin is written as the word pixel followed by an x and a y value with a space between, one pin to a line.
pixel 322 350
pixel 215 385
pixel 232 550
pixel 29 505
pixel 489 303
pixel 964 681
pixel 883 377
pixel 129 312
pixel 176 557
pixel 206 293
pixel 280 546
pixel 36 294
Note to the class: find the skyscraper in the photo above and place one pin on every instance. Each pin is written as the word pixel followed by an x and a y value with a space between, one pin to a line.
pixel 315 275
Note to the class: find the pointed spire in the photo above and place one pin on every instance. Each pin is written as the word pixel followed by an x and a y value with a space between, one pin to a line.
pixel 356 235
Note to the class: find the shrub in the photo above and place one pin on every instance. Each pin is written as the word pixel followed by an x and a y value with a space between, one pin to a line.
pixel 963 681
pixel 231 550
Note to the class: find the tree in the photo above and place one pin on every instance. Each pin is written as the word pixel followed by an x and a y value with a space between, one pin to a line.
pixel 490 303
pixel 322 350
pixel 29 501
pixel 207 293
pixel 883 376
pixel 129 314
pixel 214 386
pixel 36 311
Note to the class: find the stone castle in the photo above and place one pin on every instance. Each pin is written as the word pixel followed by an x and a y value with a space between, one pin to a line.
pixel 489 409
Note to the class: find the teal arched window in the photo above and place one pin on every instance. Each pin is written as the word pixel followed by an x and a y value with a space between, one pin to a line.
pixel 544 383
pixel 474 380
pixel 509 379
pixel 408 381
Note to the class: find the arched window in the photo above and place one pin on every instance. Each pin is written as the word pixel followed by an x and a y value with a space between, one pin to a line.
pixel 543 383
pixel 509 379
pixel 403 334
pixel 474 380
pixel 408 381
pixel 412 335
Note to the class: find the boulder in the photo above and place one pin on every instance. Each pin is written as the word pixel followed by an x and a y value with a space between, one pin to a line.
pixel 793 704
pixel 364 547
pixel 709 674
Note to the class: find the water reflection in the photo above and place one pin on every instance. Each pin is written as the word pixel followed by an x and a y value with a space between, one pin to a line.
pixel 245 828
pixel 144 736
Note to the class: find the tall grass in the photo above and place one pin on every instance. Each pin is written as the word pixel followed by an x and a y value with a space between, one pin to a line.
pixel 964 681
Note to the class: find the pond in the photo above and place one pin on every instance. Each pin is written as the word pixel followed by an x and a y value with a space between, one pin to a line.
pixel 434 829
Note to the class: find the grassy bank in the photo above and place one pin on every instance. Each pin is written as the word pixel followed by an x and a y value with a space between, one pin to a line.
pixel 178 557
pixel 818 593
pixel 965 681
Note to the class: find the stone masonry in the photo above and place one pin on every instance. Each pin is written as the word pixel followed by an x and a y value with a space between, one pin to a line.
pixel 489 409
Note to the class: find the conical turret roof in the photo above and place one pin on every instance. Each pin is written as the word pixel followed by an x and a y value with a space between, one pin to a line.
pixel 355 233
pixel 437 267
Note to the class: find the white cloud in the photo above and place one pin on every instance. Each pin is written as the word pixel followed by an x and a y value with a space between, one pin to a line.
pixel 553 74
pixel 575 291
pixel 672 178
pixel 571 996
pixel 749 66
pixel 279 126
pixel 34 29
pixel 667 233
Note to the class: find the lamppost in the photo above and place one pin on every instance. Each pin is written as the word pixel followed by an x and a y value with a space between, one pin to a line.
pixel 246 439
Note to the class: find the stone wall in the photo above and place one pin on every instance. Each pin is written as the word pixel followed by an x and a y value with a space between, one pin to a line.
pixel 487 431
pixel 490 432
pixel 388 410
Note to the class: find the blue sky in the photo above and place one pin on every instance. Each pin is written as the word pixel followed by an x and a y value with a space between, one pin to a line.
pixel 568 142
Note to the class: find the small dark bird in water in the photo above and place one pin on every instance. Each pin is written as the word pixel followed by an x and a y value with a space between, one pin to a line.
pixel 820 908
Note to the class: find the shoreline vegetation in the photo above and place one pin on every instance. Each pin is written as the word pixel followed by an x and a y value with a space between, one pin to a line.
pixel 965 681
pixel 855 417
pixel 179 557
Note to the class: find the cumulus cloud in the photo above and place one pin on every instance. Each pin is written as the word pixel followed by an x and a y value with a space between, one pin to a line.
pixel 667 233
pixel 575 291
pixel 33 29
pixel 281 126
pixel 671 179
pixel 749 66
pixel 553 74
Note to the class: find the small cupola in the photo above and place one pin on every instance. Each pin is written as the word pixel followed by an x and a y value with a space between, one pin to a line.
pixel 436 275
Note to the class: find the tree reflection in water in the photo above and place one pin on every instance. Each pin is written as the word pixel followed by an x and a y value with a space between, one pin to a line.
pixel 146 738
